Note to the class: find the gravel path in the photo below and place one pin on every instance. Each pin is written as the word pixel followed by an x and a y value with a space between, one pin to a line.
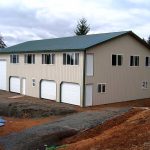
pixel 51 133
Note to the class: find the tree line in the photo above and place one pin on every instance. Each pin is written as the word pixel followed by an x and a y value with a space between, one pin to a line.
pixel 82 28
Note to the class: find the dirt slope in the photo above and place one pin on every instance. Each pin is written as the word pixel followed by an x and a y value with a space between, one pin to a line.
pixel 128 132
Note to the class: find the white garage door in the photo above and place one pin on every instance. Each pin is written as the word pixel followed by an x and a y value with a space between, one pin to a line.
pixel 70 93
pixel 48 90
pixel 15 84
pixel 2 75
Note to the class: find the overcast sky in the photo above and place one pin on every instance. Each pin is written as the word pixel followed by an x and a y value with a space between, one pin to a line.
pixel 23 20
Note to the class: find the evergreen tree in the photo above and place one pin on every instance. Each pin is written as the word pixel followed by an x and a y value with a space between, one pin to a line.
pixel 82 27
pixel 2 44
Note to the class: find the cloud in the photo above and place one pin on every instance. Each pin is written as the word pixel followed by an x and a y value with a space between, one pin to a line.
pixel 23 20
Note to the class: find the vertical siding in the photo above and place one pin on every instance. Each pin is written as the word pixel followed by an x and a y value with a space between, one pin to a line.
pixel 57 72
pixel 122 82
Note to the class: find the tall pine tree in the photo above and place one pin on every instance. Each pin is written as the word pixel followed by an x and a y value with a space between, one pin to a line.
pixel 82 27
pixel 2 44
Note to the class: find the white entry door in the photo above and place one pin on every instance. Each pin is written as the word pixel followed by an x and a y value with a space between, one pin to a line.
pixel 24 86
pixel 70 93
pixel 2 75
pixel 88 95
pixel 48 89
pixel 15 84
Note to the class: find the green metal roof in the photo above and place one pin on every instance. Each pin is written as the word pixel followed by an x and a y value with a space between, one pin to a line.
pixel 79 43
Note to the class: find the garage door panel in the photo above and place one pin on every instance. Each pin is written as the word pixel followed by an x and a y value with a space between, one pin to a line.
pixel 70 93
pixel 15 84
pixel 2 75
pixel 48 90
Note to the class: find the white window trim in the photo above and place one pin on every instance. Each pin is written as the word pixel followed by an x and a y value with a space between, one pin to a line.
pixel 31 60
pixel 145 60
pixel 129 61
pixel 13 62
pixel 86 64
pixel 51 58
pixel 105 88
pixel 117 59
pixel 74 58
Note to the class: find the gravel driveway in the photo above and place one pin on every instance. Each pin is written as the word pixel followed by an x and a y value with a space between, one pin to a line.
pixel 50 133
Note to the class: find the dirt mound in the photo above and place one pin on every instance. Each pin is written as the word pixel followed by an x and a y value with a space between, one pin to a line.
pixel 33 110
pixel 128 132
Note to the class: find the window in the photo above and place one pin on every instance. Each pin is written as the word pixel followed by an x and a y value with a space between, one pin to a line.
pixel 71 58
pixel 102 88
pixel 134 60
pixel 33 82
pixel 147 61
pixel 48 58
pixel 89 65
pixel 29 58
pixel 14 58
pixel 144 85
pixel 117 60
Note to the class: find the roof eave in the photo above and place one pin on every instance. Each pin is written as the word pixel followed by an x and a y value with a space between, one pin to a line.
pixel 43 51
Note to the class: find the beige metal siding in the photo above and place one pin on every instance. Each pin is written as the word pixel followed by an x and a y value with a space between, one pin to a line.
pixel 57 72
pixel 122 82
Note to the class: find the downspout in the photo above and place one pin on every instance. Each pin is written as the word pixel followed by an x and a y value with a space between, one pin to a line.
pixel 84 65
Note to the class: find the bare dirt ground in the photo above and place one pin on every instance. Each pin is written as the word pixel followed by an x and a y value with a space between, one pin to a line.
pixel 14 125
pixel 18 124
pixel 130 131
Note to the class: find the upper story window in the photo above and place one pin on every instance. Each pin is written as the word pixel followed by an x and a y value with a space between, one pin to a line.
pixel 134 60
pixel 89 65
pixel 14 58
pixel 71 58
pixel 117 60
pixel 29 58
pixel 48 58
pixel 147 61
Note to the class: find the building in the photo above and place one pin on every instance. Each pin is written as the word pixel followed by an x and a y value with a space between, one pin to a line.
pixel 82 70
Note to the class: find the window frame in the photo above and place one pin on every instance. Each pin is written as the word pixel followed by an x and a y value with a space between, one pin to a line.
pixel 51 60
pixel 101 91
pixel 26 58
pixel 12 58
pixel 71 58
pixel 134 61
pixel 148 61
pixel 117 64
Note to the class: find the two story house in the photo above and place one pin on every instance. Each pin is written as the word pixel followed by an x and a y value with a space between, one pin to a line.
pixel 81 70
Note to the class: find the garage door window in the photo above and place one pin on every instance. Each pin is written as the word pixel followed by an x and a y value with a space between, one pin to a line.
pixel 71 58
pixel 14 58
